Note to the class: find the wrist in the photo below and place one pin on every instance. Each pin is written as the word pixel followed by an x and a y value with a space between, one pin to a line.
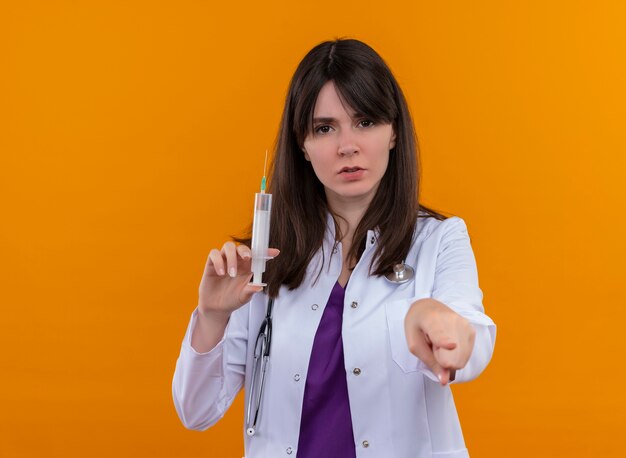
pixel 215 316
pixel 209 329
pixel 424 305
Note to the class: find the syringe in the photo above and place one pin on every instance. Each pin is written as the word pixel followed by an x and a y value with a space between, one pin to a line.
pixel 261 231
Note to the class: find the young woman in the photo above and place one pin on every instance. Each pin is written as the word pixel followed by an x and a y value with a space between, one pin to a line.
pixel 374 299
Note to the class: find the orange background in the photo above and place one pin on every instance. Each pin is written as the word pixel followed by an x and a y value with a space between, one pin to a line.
pixel 132 141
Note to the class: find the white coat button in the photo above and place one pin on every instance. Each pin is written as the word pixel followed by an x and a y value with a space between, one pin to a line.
pixel 365 444
pixel 314 307
pixel 296 377
pixel 372 240
pixel 354 304
pixel 289 450
pixel 356 371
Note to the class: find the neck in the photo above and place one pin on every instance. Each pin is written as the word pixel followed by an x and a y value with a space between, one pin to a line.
pixel 348 216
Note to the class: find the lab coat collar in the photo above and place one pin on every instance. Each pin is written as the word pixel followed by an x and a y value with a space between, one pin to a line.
pixel 372 234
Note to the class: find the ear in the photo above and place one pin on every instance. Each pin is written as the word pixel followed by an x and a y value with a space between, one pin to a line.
pixel 392 142
pixel 306 155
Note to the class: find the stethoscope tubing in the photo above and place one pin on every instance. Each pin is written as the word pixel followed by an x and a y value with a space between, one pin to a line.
pixel 264 337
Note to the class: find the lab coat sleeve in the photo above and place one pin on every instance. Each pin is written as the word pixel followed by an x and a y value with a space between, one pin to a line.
pixel 205 384
pixel 456 285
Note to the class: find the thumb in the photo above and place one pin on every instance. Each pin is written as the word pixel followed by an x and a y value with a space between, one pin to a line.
pixel 439 340
pixel 248 291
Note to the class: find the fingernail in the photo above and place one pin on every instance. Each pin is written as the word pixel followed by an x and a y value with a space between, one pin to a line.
pixel 440 378
pixel 246 256
pixel 232 272
pixel 220 271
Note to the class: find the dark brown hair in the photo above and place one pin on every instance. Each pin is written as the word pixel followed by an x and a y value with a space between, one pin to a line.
pixel 299 209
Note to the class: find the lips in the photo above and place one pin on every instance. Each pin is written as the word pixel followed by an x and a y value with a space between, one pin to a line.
pixel 356 168
pixel 352 174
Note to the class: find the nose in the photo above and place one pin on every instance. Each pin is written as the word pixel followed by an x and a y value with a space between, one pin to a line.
pixel 347 146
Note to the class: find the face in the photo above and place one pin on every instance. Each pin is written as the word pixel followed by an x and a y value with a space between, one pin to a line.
pixel 349 153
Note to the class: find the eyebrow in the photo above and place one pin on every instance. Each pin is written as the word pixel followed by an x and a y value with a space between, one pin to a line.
pixel 323 120
pixel 330 120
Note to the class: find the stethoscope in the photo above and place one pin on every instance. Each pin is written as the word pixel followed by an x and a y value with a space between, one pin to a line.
pixel 259 367
pixel 402 273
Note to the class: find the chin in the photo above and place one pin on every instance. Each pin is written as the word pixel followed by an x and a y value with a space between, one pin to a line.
pixel 356 194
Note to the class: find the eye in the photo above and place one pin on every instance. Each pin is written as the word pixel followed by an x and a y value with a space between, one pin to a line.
pixel 366 123
pixel 324 129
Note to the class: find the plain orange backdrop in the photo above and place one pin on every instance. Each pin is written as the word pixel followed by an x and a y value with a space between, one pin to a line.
pixel 132 136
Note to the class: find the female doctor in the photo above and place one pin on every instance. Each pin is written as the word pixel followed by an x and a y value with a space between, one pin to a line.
pixel 362 355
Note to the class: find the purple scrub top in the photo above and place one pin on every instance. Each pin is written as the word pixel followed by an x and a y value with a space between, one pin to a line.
pixel 326 424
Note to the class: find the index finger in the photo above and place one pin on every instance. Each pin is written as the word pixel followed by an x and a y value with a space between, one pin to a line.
pixel 244 252
pixel 416 341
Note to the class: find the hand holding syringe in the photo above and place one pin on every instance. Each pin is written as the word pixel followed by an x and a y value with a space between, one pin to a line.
pixel 225 284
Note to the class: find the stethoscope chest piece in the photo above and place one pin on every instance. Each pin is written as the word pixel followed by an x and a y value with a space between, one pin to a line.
pixel 402 273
